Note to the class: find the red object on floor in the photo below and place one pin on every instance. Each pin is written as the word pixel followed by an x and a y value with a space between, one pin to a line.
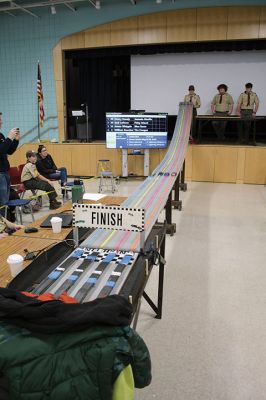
pixel 64 297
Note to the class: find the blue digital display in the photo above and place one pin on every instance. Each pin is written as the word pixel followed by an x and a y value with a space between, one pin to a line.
pixel 139 131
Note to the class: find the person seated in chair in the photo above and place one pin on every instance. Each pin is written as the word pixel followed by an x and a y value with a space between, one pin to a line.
pixel 7 227
pixel 46 166
pixel 32 179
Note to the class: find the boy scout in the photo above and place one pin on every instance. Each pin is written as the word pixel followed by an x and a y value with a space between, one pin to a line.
pixel 193 98
pixel 247 106
pixel 221 105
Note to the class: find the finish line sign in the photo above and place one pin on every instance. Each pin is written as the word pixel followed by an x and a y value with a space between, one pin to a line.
pixel 108 217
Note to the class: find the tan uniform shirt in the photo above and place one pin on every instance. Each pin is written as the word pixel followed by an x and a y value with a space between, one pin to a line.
pixel 29 171
pixel 224 106
pixel 195 100
pixel 243 101
pixel 2 224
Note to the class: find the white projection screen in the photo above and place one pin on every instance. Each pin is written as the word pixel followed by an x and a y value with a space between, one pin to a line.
pixel 159 82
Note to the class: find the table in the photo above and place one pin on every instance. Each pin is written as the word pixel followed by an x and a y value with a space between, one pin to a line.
pixel 20 241
pixel 204 119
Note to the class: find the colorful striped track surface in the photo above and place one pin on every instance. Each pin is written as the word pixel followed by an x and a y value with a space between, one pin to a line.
pixel 153 193
pixel 100 266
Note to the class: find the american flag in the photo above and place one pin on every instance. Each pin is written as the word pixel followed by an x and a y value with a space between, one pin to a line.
pixel 40 96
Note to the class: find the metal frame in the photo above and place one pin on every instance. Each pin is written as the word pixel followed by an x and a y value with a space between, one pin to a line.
pixel 24 6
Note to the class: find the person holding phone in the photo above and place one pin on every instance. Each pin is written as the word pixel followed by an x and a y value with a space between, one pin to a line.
pixel 7 147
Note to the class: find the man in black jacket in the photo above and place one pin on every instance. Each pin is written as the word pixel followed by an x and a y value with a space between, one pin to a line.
pixel 7 147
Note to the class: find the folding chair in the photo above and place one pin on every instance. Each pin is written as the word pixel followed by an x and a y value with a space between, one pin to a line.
pixel 104 171
pixel 19 203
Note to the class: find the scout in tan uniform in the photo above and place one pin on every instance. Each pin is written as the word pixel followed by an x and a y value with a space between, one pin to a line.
pixel 222 105
pixel 194 99
pixel 34 181
pixel 247 106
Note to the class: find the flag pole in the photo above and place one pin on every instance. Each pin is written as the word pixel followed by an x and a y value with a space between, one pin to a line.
pixel 41 113
pixel 38 119
pixel 38 110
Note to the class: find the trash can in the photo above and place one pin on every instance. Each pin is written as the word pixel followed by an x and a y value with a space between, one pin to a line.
pixel 77 193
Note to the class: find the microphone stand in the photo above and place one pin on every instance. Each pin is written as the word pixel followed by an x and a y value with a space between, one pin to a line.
pixel 87 122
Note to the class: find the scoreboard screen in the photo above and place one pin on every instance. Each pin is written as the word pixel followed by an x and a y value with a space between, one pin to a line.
pixel 141 131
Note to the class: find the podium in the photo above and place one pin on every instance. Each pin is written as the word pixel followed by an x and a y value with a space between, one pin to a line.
pixel 83 125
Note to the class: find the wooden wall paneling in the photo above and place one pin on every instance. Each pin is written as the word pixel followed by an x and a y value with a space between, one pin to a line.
pixel 255 165
pixel 181 25
pixel 124 32
pixel 84 159
pixel 211 23
pixel 98 37
pixel 243 22
pixel 114 155
pixel 131 164
pixel 154 159
pixel 188 159
pixel 262 28
pixel 62 155
pixel 59 89
pixel 58 57
pixel 61 125
pixel 241 159
pixel 139 165
pixel 76 41
pixel 203 163
pixel 59 72
pixel 203 158
pixel 225 165
pixel 19 156
pixel 152 28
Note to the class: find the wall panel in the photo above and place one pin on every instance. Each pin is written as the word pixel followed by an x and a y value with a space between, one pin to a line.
pixel 61 125
pixel 255 165
pixel 225 165
pixel 59 85
pixel 262 28
pixel 243 22
pixel 241 159
pixel 181 25
pixel 152 28
pixel 58 57
pixel 154 158
pixel 76 41
pixel 212 25
pixel 206 163
pixel 203 158
pixel 124 32
pixel 98 37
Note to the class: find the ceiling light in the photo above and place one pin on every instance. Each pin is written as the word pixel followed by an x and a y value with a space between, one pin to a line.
pixel 53 10
pixel 98 4
pixel 158 1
